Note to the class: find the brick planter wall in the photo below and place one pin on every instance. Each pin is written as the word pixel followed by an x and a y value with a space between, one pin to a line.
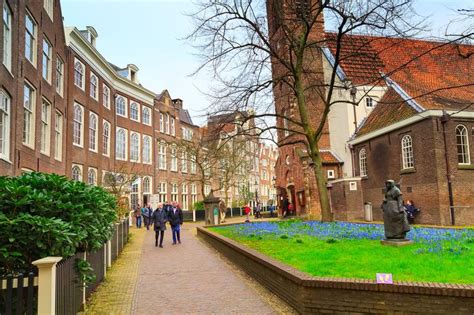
pixel 309 295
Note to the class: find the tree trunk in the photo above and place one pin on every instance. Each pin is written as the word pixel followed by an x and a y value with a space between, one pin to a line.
pixel 326 214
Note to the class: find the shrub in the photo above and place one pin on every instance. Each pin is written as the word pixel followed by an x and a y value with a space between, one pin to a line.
pixel 198 205
pixel 48 215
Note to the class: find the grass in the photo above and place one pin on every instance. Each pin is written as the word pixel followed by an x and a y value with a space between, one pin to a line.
pixel 354 250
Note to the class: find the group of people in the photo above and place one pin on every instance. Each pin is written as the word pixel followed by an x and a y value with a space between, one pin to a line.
pixel 168 212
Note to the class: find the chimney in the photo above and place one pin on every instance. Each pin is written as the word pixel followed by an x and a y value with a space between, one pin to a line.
pixel 178 103
pixel 132 70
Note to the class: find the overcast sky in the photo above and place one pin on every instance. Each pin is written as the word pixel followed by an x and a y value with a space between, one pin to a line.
pixel 149 34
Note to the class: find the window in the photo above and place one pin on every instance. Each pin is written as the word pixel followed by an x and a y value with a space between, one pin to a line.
pixel 286 131
pixel 187 134
pixel 93 139
pixel 173 129
pixel 106 96
pixel 79 74
pixel 29 102
pixel 184 162
pixel 146 185
pixel 207 189
pixel 134 193
pixel 94 87
pixel 134 112
pixel 167 124
pixel 59 76
pixel 121 144
pixel 58 136
pixel 77 125
pixel 45 127
pixel 92 177
pixel 46 60
pixel 162 128
pixel 184 197
pixel 174 192
pixel 146 115
pixel 5 102
pixel 146 150
pixel 264 175
pixel 193 194
pixel 174 159
pixel 162 192
pixel 162 156
pixel 369 102
pixel 77 172
pixel 7 36
pixel 30 39
pixel 193 164
pixel 106 139
pixel 363 162
pixel 121 107
pixel 134 147
pixel 462 143
pixel 407 153
pixel 48 6
pixel 331 174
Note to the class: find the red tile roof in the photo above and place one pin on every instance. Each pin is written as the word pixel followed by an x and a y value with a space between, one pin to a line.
pixel 329 158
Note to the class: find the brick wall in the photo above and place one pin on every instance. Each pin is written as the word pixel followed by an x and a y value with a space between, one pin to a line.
pixel 316 295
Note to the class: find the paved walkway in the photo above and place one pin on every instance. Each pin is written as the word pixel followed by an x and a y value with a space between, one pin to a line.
pixel 190 278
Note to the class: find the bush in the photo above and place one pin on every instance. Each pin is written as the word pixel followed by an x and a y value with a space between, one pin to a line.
pixel 48 215
pixel 198 205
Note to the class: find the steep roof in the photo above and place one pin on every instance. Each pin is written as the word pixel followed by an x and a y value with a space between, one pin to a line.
pixel 185 117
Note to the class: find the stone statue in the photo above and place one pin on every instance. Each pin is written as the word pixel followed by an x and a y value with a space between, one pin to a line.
pixel 394 216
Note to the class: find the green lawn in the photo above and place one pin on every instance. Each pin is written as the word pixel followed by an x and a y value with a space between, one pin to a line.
pixel 361 258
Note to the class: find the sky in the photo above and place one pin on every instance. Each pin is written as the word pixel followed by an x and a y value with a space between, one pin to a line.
pixel 150 34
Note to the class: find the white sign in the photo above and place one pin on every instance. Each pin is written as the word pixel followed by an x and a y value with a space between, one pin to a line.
pixel 154 201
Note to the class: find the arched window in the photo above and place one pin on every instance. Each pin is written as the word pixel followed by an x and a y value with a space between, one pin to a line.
pixel 76 173
pixel 93 132
pixel 121 145
pixel 106 138
pixel 92 177
pixel 363 162
pixel 120 106
pixel 162 156
pixel 146 150
pixel 134 111
pixel 134 147
pixel 462 143
pixel 106 96
pixel 407 153
pixel 146 185
pixel 77 124
pixel 94 85
pixel 146 116
pixel 79 74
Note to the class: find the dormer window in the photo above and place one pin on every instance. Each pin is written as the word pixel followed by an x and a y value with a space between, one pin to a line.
pixel 369 102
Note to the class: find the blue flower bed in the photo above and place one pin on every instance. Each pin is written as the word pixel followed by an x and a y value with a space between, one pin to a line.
pixel 434 240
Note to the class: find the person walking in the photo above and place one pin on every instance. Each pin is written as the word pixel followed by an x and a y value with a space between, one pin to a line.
pixel 175 217
pixel 147 213
pixel 247 212
pixel 138 216
pixel 159 219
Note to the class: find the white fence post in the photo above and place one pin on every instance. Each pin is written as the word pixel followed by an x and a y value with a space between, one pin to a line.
pixel 47 284
pixel 130 218
pixel 109 253
pixel 194 215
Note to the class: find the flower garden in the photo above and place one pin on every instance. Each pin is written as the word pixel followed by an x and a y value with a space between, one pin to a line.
pixel 352 250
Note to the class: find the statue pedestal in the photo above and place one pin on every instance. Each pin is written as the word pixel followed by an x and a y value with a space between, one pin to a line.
pixel 396 242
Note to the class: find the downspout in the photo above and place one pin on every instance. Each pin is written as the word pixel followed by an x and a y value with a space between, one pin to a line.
pixel 444 119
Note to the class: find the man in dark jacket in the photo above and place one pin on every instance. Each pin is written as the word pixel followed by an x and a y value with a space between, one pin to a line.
pixel 175 216
pixel 159 219
pixel 147 213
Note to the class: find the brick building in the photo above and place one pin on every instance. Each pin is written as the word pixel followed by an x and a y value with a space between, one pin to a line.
pixel 268 156
pixel 79 115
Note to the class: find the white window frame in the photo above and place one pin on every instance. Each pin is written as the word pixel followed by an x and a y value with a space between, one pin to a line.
pixel 135 150
pixel 33 36
pixel 147 185
pixel 58 136
pixel 93 132
pixel 147 150
pixel 7 36
pixel 369 102
pixel 363 162
pixel 79 74
pixel 78 126
pixel 77 167
pixel 49 8
pixel 118 155
pixel 174 192
pixel 162 123
pixel 106 137
pixel 147 110
pixel 132 105
pixel 162 156
pixel 106 96
pixel 174 158
pixel 408 161
pixel 47 60
pixel 5 131
pixel 92 171
pixel 167 124
pixel 162 192
pixel 45 136
pixel 184 197
pixel 59 76
pixel 193 164
pixel 29 116
pixel 94 88
pixel 173 127
pixel 462 145
pixel 193 194
pixel 331 174
pixel 125 105
pixel 184 162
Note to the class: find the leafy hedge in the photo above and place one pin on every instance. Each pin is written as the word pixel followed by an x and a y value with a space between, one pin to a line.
pixel 48 215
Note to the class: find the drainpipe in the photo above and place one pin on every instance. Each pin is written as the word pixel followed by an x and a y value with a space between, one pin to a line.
pixel 444 119
pixel 353 94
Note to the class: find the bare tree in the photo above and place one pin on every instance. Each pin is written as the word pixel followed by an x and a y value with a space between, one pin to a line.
pixel 258 62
